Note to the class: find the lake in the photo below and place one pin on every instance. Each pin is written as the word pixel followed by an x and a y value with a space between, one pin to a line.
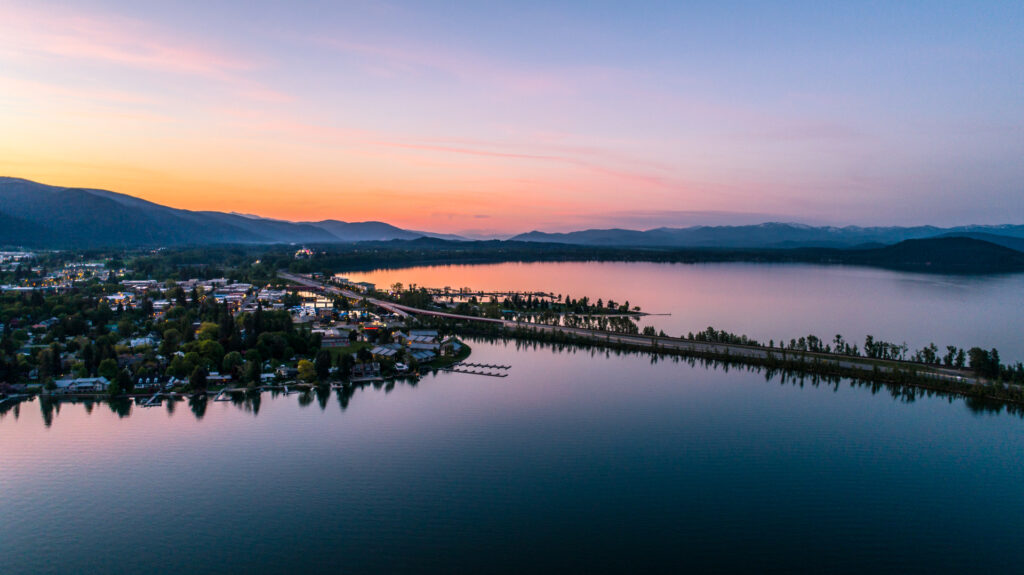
pixel 767 301
pixel 579 461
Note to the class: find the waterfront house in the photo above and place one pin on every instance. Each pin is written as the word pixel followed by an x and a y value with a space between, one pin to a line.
pixel 216 378
pixel 423 355
pixel 449 346
pixel 81 385
pixel 366 371
pixel 389 351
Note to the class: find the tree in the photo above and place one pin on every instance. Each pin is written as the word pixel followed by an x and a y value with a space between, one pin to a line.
pixel 108 369
pixel 180 367
pixel 124 381
pixel 364 355
pixel 323 365
pixel 345 363
pixel 198 380
pixel 251 372
pixel 307 371
pixel 171 341
pixel 125 327
pixel 212 351
pixel 208 330
pixel 950 358
pixel 232 363
pixel 47 361
pixel 984 363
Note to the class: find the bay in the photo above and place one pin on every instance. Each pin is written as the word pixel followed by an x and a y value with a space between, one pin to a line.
pixel 580 460
pixel 769 302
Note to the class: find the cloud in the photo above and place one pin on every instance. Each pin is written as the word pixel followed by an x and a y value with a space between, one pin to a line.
pixel 118 41
pixel 400 58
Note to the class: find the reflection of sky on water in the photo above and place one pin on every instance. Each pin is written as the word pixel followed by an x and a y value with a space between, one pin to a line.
pixel 770 301
pixel 582 456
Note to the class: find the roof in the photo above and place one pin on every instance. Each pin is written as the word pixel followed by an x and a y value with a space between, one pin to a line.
pixel 81 382
pixel 421 345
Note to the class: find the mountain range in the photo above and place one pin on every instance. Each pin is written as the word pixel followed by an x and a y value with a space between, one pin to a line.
pixel 774 235
pixel 40 216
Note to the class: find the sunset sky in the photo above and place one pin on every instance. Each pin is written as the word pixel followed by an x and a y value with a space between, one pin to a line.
pixel 498 117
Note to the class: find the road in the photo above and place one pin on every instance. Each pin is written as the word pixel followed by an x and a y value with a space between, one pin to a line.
pixel 665 343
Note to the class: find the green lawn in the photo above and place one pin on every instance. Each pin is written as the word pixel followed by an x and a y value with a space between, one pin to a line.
pixel 354 348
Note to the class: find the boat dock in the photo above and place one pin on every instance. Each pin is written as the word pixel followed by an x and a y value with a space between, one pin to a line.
pixel 478 369
pixel 482 365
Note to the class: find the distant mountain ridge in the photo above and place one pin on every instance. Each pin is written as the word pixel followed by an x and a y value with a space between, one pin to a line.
pixel 772 235
pixel 38 215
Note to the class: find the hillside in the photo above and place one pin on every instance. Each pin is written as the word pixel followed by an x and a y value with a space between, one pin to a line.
pixel 41 216
pixel 948 255
pixel 771 235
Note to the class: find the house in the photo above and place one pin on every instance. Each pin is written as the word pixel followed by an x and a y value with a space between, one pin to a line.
pixel 366 371
pixel 215 378
pixel 421 346
pixel 423 334
pixel 387 351
pixel 334 341
pixel 150 383
pixel 81 385
pixel 287 372
pixel 449 346
pixel 423 355
pixel 147 341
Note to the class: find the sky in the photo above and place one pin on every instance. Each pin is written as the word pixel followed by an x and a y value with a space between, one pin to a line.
pixel 499 117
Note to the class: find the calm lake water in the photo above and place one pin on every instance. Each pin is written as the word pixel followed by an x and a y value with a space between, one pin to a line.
pixel 779 302
pixel 577 462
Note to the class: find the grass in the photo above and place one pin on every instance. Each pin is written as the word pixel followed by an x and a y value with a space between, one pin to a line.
pixel 349 349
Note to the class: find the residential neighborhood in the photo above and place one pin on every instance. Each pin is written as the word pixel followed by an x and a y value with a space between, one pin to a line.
pixel 96 327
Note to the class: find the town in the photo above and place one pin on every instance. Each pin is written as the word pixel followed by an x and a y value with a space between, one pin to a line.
pixel 195 322
pixel 86 328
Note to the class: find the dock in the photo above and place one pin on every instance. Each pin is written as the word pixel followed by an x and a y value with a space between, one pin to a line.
pixel 481 365
pixel 478 369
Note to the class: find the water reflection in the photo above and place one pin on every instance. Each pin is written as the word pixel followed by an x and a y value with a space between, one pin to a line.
pixel 250 401
pixel 767 301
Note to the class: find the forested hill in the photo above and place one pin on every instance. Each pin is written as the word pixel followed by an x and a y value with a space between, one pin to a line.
pixel 35 215
pixel 945 254
pixel 937 255
pixel 771 235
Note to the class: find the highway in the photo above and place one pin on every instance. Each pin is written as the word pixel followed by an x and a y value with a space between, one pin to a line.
pixel 667 343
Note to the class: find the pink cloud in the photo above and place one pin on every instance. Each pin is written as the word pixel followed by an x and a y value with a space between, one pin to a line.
pixel 35 89
pixel 393 59
pixel 123 42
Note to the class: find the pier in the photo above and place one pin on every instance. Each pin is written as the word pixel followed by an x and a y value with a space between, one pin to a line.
pixel 477 369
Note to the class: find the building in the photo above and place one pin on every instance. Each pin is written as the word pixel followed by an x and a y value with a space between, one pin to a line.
pixel 366 371
pixel 81 385
pixel 388 351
